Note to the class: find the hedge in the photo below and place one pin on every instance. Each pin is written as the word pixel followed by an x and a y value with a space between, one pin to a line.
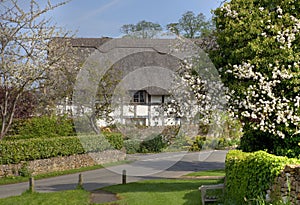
pixel 41 126
pixel 249 175
pixel 15 151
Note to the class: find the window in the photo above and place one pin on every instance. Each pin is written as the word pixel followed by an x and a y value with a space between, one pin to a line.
pixel 139 97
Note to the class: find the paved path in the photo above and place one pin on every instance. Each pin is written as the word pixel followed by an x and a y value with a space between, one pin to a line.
pixel 163 165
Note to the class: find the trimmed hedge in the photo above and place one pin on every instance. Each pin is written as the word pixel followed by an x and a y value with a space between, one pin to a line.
pixel 249 175
pixel 12 152
pixel 43 126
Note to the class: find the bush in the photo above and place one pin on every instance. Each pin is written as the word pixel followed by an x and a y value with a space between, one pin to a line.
pixel 46 126
pixel 249 175
pixel 132 146
pixel 197 144
pixel 115 139
pixel 254 140
pixel 12 152
pixel 154 144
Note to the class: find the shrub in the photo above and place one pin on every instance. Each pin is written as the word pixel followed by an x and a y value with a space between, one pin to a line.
pixel 249 175
pixel 12 152
pixel 115 139
pixel 132 146
pixel 153 144
pixel 254 140
pixel 197 144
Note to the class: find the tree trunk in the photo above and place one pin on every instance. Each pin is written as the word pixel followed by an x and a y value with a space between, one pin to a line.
pixel 94 125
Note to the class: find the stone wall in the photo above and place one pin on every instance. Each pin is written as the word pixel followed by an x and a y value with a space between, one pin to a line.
pixel 287 185
pixel 61 163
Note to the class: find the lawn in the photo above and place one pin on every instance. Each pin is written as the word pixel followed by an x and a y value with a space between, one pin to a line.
pixel 157 192
pixel 73 197
pixel 151 192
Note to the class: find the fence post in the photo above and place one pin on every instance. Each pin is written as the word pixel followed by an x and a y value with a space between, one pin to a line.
pixel 80 182
pixel 124 177
pixel 31 184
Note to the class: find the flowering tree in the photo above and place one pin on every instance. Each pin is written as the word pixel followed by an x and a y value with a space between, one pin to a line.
pixel 259 60
pixel 24 45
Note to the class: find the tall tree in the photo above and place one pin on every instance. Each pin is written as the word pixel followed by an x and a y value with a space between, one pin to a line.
pixel 143 29
pixel 24 45
pixel 259 60
pixel 192 26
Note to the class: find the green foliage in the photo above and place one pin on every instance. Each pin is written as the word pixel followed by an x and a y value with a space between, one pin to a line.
pixel 115 139
pixel 203 142
pixel 45 126
pixel 248 175
pixel 12 152
pixel 197 144
pixel 153 144
pixel 224 143
pixel 132 146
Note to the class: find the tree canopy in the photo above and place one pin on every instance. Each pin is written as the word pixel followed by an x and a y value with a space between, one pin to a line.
pixel 191 25
pixel 143 29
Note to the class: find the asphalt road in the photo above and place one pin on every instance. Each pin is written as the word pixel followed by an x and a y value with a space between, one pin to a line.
pixel 150 166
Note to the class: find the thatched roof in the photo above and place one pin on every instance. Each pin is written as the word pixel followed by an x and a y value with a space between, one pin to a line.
pixel 153 90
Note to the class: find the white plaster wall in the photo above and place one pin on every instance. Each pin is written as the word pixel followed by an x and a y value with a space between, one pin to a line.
pixel 128 110
pixel 142 110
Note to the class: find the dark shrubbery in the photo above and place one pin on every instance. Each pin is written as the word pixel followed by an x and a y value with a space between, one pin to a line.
pixel 154 144
pixel 249 175
pixel 254 140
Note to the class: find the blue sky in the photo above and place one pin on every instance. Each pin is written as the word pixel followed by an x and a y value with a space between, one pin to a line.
pixel 99 18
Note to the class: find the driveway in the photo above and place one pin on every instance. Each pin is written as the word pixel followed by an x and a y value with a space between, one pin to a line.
pixel 149 166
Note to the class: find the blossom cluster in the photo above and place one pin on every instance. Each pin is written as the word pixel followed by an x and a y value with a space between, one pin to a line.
pixel 228 11
pixel 261 102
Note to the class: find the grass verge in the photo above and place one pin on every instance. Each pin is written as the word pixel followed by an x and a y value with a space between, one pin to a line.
pixel 73 197
pixel 217 172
